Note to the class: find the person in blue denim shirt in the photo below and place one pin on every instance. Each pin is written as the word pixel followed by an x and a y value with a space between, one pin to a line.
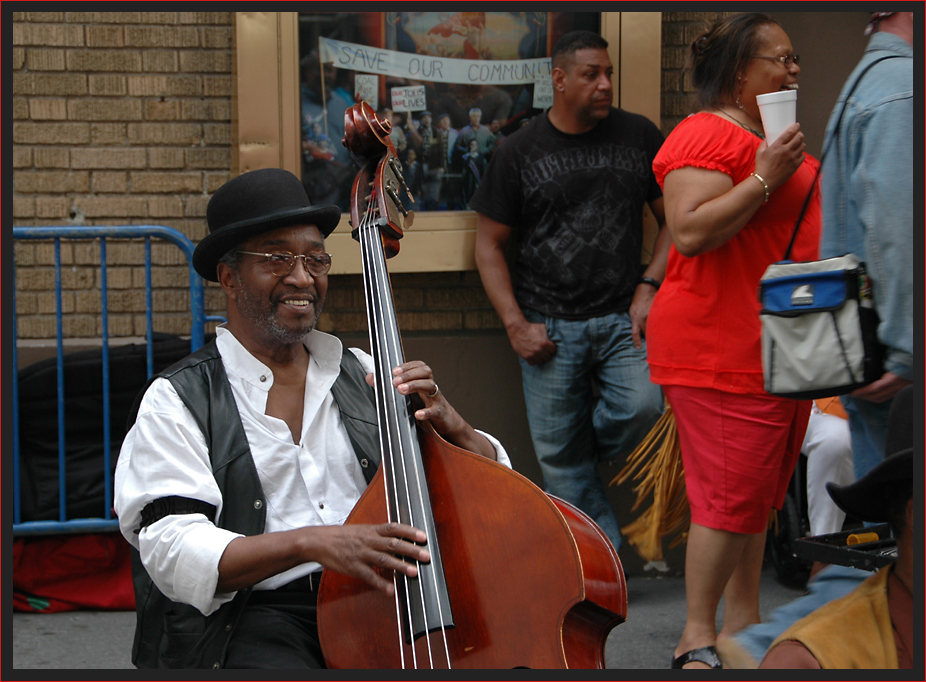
pixel 867 193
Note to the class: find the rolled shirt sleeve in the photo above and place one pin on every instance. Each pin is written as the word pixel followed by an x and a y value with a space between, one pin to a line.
pixel 164 454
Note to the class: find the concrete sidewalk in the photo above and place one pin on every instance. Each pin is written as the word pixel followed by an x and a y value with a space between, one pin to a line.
pixel 103 640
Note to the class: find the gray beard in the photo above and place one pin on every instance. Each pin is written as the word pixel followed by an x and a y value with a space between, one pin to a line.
pixel 263 315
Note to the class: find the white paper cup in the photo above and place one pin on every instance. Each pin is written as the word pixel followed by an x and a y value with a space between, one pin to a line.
pixel 778 111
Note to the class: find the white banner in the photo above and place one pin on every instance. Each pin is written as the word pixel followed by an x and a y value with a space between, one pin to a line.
pixel 436 69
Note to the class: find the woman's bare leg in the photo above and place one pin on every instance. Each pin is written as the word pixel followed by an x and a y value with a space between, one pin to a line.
pixel 741 596
pixel 710 561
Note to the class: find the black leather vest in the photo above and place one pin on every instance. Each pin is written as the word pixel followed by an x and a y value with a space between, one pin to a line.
pixel 170 634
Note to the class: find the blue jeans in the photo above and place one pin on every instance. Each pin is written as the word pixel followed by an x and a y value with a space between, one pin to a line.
pixel 868 428
pixel 572 428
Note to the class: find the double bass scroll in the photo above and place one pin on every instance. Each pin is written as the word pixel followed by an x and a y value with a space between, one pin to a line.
pixel 366 137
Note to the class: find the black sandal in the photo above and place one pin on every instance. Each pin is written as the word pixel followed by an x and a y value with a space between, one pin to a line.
pixel 706 654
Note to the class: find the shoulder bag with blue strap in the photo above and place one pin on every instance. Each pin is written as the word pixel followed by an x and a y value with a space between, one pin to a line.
pixel 819 323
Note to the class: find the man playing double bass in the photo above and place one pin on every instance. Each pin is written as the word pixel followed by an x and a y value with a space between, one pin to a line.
pixel 246 457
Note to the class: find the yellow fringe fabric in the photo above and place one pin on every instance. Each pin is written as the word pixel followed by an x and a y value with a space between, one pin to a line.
pixel 656 465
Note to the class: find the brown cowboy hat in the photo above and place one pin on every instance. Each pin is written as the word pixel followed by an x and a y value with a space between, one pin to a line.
pixel 872 496
pixel 253 203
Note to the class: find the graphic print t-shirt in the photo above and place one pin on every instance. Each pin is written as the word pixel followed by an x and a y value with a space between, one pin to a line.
pixel 575 206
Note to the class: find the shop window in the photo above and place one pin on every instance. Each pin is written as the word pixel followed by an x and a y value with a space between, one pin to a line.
pixel 453 84
pixel 406 64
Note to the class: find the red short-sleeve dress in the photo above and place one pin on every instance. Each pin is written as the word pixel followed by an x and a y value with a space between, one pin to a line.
pixel 703 331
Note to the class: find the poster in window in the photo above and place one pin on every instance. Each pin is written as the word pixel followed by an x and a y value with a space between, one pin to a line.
pixel 454 84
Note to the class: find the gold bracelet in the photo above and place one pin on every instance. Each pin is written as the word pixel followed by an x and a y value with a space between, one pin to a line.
pixel 764 185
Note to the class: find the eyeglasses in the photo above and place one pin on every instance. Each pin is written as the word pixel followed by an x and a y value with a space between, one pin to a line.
pixel 787 60
pixel 282 262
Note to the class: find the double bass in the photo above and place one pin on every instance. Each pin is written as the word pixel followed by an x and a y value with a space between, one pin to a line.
pixel 517 578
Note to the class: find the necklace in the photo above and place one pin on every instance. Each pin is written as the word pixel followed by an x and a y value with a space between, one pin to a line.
pixel 742 125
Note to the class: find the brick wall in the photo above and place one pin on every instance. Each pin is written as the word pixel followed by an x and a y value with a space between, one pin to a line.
pixel 119 118
pixel 125 118
pixel 679 30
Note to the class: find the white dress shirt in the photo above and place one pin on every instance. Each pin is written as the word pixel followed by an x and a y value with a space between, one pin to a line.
pixel 311 483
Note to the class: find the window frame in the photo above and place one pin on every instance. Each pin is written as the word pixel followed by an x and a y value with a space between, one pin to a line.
pixel 266 126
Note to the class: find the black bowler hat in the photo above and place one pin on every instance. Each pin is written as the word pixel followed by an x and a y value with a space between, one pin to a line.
pixel 253 203
pixel 872 497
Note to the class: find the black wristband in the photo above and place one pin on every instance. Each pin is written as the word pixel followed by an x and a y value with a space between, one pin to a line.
pixel 649 280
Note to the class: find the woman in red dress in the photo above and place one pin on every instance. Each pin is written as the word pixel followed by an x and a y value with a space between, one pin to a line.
pixel 732 199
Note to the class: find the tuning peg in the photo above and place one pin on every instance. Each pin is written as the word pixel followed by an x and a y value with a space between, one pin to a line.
pixel 396 168
pixel 391 191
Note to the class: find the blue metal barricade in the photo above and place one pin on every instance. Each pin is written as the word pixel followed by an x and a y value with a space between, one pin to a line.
pixel 105 521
